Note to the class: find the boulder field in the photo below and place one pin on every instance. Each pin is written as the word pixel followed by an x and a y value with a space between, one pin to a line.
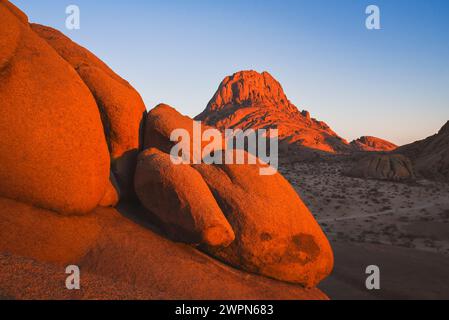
pixel 275 233
pixel 76 138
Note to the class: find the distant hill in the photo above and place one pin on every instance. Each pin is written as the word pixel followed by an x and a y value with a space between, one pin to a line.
pixel 431 155
pixel 367 143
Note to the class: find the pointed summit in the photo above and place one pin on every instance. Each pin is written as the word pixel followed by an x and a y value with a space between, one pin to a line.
pixel 252 100
pixel 250 88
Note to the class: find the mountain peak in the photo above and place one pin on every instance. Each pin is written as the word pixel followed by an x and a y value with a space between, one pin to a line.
pixel 250 88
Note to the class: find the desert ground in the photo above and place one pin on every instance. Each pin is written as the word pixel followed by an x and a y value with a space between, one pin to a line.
pixel 401 227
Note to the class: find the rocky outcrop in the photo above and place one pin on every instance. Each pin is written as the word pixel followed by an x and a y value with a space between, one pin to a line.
pixel 275 233
pixel 252 100
pixel 114 251
pixel 431 156
pixel 367 143
pixel 60 110
pixel 53 152
pixel 393 167
pixel 120 106
pixel 181 200
pixel 163 120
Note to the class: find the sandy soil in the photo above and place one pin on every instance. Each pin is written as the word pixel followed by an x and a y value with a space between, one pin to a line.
pixel 380 219
pixel 404 273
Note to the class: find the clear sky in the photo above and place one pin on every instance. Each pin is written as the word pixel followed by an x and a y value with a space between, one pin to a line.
pixel 392 83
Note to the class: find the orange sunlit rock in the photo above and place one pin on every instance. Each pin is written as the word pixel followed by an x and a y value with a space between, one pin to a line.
pixel 179 197
pixel 111 196
pixel 163 120
pixel 113 250
pixel 60 110
pixel 44 235
pixel 16 11
pixel 120 105
pixel 276 235
pixel 53 152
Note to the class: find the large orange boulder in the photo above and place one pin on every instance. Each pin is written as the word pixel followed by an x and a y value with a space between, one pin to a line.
pixel 121 107
pixel 10 34
pixel 276 235
pixel 163 120
pixel 53 152
pixel 181 200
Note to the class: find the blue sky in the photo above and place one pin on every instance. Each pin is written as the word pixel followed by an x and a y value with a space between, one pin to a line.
pixel 392 83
